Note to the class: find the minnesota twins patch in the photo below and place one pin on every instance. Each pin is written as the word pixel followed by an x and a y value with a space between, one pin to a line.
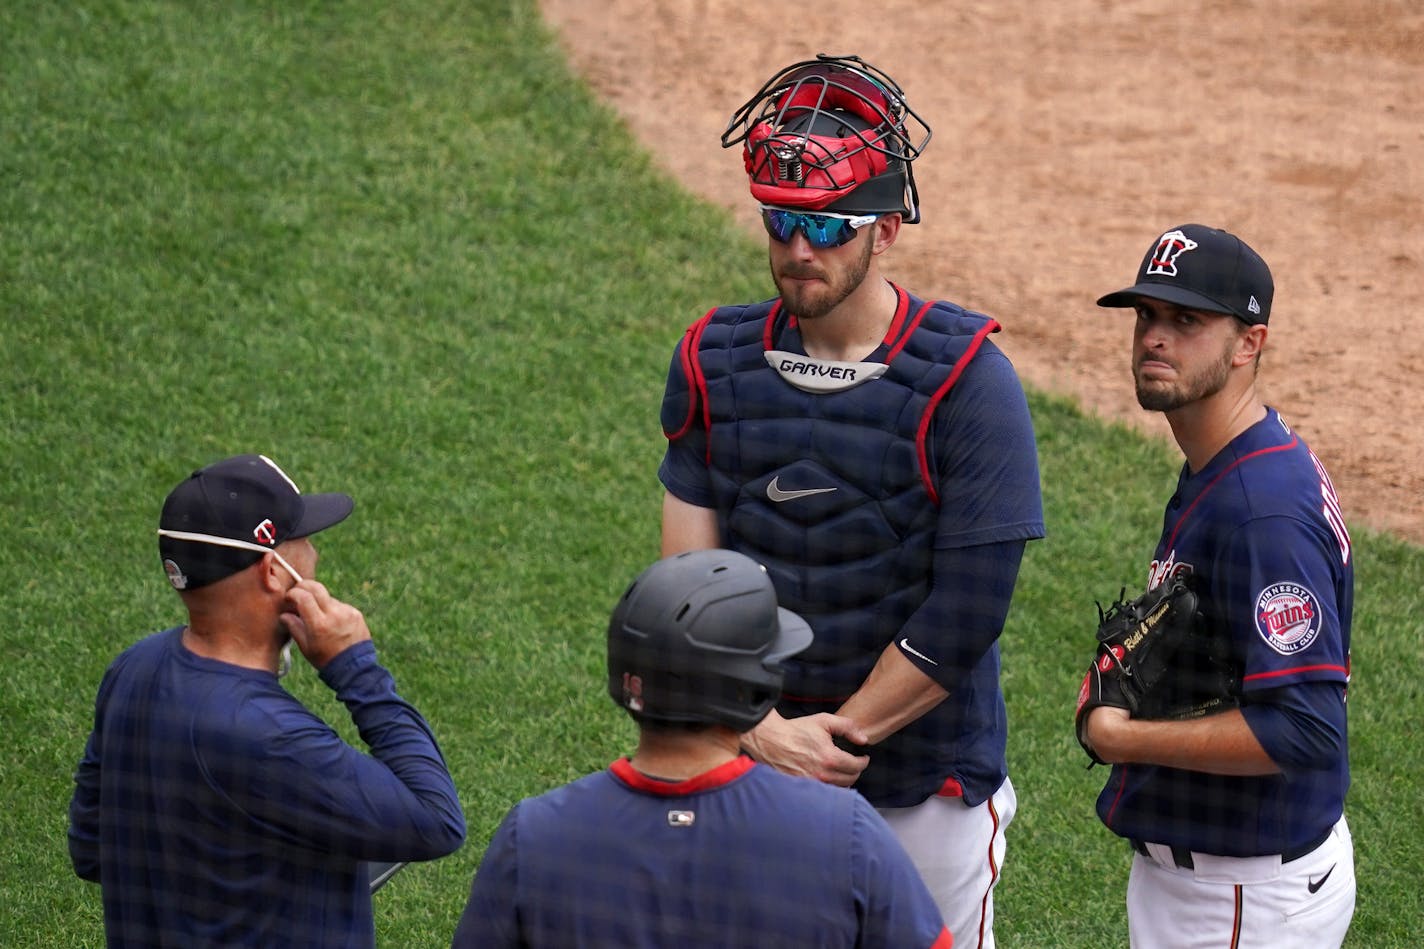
pixel 1287 617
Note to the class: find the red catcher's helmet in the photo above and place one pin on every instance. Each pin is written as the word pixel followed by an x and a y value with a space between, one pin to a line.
pixel 831 134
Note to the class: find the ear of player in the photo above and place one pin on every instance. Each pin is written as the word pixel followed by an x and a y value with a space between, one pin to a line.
pixel 1136 642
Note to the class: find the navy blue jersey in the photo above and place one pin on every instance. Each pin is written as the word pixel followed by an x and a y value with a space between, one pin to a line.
pixel 216 810
pixel 1260 534
pixel 741 856
pixel 854 483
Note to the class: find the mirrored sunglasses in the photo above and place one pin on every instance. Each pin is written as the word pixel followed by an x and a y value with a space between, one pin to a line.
pixel 822 230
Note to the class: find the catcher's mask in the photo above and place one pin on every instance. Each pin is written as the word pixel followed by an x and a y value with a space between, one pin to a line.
pixel 833 133
pixel 698 638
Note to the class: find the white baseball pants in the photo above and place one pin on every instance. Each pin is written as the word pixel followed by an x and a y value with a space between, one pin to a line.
pixel 1243 902
pixel 959 852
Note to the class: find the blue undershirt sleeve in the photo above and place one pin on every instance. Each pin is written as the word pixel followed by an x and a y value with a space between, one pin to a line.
pixel 1302 727
pixel 964 612
pixel 991 505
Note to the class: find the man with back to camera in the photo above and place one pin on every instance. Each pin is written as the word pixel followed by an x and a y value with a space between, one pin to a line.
pixel 874 450
pixel 211 805
pixel 689 843
pixel 1236 810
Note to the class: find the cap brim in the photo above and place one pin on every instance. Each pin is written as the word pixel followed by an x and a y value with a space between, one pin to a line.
pixel 320 511
pixel 794 635
pixel 1167 292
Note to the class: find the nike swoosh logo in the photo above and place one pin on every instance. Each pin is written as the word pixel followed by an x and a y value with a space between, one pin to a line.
pixel 1313 885
pixel 905 645
pixel 774 492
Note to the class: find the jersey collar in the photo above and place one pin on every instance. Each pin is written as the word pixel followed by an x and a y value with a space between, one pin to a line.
pixel 719 776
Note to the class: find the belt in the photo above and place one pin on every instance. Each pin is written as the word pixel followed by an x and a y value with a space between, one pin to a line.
pixel 1182 857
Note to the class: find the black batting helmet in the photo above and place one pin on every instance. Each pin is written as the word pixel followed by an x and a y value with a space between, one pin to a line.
pixel 831 134
pixel 698 637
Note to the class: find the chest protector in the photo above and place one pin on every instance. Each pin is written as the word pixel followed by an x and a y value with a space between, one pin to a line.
pixel 825 472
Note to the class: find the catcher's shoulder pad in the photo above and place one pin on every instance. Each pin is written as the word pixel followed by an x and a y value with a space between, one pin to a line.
pixel 682 397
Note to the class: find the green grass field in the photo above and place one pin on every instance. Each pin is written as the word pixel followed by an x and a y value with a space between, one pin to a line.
pixel 400 249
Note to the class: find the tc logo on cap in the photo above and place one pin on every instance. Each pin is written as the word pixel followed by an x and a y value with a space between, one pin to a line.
pixel 1170 246
pixel 266 532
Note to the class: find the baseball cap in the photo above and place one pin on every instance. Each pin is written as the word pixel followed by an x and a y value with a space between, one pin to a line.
pixel 1203 268
pixel 225 516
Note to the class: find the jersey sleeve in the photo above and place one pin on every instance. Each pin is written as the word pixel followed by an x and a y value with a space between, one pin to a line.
pixel 288 770
pixel 84 816
pixel 895 907
pixel 1277 583
pixel 84 804
pixel 490 918
pixel 985 459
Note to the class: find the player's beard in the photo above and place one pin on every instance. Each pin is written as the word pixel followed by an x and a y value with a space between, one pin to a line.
pixel 1162 395
pixel 809 301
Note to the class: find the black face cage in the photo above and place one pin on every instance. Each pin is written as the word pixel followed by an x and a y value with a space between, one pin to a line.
pixel 900 132
pixel 785 110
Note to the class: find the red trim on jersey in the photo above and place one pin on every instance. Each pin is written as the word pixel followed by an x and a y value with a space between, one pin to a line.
pixel 767 342
pixel 950 788
pixel 721 775
pixel 922 434
pixel 1122 786
pixel 945 940
pixel 1323 667
pixel 895 338
pixel 1172 540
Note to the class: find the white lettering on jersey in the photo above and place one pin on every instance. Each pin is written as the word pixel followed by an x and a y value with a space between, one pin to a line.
pixel 1330 507
pixel 1160 571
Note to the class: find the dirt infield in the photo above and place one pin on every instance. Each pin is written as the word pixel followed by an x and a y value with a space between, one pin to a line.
pixel 1068 135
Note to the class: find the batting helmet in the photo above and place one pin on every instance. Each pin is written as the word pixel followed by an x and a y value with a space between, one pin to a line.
pixel 831 134
pixel 698 637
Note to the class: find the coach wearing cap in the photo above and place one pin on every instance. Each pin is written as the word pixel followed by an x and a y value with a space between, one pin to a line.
pixel 211 805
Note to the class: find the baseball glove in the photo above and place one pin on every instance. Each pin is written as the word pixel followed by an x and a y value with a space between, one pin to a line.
pixel 1136 641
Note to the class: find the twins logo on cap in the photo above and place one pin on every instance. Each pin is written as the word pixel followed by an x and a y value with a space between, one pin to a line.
pixel 1170 246
pixel 266 532
pixel 1287 617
